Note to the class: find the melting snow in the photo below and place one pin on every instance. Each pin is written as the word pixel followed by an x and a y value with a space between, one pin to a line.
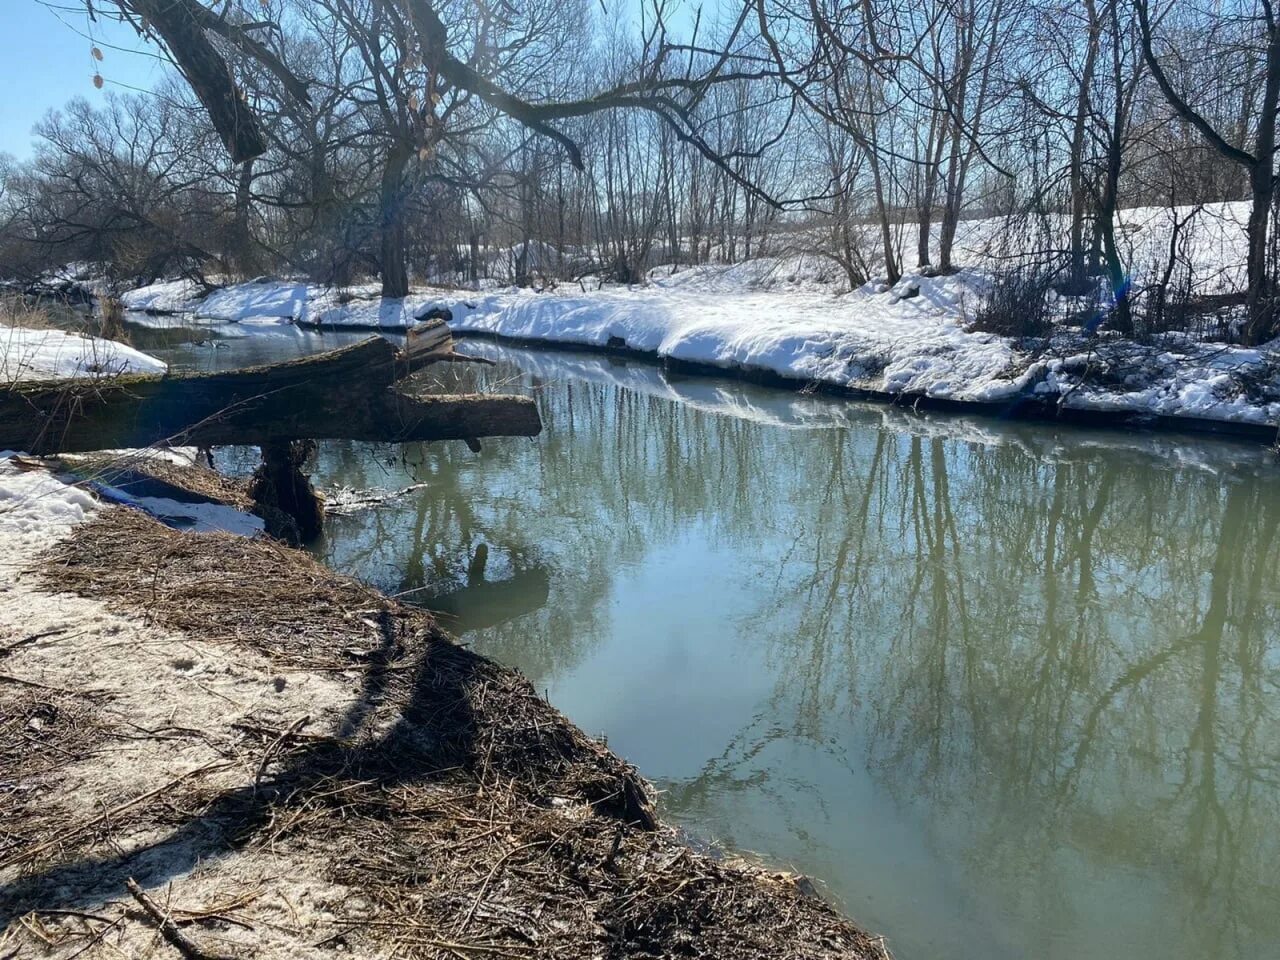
pixel 28 354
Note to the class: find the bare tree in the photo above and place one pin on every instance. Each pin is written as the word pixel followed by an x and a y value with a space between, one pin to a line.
pixel 1261 42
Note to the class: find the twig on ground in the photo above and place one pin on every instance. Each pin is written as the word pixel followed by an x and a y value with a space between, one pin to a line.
pixel 168 929
pixel 275 747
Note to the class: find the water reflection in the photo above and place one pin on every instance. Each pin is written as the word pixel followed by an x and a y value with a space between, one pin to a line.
pixel 208 347
pixel 1011 690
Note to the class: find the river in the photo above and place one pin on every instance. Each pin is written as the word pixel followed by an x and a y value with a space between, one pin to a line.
pixel 1007 690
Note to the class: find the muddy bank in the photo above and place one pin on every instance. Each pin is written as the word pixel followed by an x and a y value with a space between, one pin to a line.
pixel 291 764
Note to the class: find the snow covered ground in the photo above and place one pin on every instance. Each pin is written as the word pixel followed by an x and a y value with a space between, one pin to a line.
pixel 784 315
pixel 39 505
pixel 36 508
pixel 908 341
pixel 39 354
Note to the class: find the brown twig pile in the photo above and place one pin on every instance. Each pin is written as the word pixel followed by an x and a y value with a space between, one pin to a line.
pixel 466 816
pixel 41 731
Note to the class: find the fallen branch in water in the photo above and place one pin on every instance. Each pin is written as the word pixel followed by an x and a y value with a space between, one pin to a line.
pixel 345 394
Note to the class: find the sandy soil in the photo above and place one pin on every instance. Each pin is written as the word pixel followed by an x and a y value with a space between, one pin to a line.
pixel 291 765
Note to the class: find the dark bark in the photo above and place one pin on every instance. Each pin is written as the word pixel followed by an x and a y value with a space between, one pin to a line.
pixel 345 394
pixel 284 496
pixel 395 275
pixel 892 273
pixel 938 129
pixel 179 25
pixel 242 251
pixel 1078 278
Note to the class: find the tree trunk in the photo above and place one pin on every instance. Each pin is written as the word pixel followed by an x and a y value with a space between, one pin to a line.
pixel 1079 265
pixel 346 394
pixel 395 276
pixel 180 24
pixel 938 128
pixel 1261 325
pixel 892 273
pixel 1261 319
pixel 951 205
pixel 242 237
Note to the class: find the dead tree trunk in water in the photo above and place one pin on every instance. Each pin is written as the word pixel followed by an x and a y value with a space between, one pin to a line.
pixel 288 504
pixel 345 394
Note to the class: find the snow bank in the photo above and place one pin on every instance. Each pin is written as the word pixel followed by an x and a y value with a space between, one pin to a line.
pixel 370 311
pixel 36 508
pixel 274 302
pixel 884 342
pixel 169 296
pixel 910 341
pixel 1182 379
pixel 259 301
pixel 27 354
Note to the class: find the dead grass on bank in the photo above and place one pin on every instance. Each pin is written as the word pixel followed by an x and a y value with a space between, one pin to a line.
pixel 41 730
pixel 196 478
pixel 15 311
pixel 466 816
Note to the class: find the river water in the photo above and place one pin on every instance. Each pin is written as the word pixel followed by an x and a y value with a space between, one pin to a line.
pixel 1008 690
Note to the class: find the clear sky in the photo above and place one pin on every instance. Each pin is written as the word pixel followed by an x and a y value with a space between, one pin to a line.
pixel 45 60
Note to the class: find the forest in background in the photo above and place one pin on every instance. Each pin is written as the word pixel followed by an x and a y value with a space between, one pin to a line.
pixel 540 141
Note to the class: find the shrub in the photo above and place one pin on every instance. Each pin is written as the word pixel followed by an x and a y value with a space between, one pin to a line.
pixel 1017 303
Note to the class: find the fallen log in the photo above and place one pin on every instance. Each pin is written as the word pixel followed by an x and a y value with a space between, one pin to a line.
pixel 345 394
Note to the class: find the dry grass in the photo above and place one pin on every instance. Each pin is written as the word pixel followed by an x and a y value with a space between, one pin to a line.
pixel 466 816
pixel 121 466
pixel 18 312
pixel 41 731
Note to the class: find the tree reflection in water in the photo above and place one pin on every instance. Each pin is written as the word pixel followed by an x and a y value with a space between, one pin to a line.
pixel 1011 690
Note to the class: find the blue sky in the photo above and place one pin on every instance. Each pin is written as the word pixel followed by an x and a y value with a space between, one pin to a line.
pixel 45 60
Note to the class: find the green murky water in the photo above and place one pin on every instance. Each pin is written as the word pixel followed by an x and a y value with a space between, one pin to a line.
pixel 1011 691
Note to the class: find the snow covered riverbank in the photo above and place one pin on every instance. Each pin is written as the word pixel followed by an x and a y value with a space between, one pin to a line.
pixel 906 342
pixel 42 354
pixel 786 316
pixel 911 341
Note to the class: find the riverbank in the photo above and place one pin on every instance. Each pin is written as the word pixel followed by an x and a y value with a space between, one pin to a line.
pixel 291 764
pixel 911 343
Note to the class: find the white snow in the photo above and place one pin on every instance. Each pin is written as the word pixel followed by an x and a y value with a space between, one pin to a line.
pixel 31 354
pixel 168 296
pixel 911 341
pixel 786 315
pixel 36 508
pixel 875 341
pixel 259 301
pixel 368 312
pixel 194 517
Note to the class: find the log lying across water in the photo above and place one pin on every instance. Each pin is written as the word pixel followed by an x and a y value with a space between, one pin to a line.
pixel 346 394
